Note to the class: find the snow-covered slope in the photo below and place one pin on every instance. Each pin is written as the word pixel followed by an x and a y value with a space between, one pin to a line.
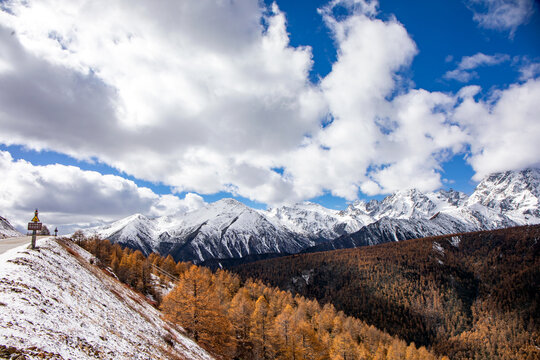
pixel 52 300
pixel 135 231
pixel 230 229
pixel 317 222
pixel 7 230
pixel 388 230
pixel 224 229
pixel 501 200
pixel 514 194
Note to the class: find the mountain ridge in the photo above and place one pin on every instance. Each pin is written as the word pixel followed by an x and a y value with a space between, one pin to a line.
pixel 230 229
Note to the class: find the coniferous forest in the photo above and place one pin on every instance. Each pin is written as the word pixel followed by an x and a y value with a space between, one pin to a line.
pixel 245 319
pixel 465 296
pixel 468 296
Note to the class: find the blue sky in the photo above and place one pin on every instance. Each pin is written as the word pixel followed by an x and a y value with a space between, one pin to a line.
pixel 274 102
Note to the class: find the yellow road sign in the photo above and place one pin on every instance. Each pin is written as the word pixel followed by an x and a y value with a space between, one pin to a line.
pixel 35 219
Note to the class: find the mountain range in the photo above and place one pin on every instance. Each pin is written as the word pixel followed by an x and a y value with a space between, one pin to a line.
pixel 229 229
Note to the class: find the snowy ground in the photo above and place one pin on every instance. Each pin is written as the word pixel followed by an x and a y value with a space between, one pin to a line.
pixel 53 301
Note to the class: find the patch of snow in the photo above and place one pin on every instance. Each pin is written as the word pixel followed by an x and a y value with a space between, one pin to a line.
pixel 307 274
pixel 438 248
pixel 454 241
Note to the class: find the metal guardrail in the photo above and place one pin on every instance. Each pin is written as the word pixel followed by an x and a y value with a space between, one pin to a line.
pixel 161 271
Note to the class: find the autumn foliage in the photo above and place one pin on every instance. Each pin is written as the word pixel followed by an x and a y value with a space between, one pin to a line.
pixel 468 296
pixel 248 320
pixel 235 319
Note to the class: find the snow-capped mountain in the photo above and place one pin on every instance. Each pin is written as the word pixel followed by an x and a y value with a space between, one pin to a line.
pixel 501 200
pixel 514 194
pixel 224 229
pixel 230 229
pixel 317 222
pixel 7 230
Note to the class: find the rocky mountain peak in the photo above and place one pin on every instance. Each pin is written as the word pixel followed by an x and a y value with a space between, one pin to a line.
pixel 229 229
pixel 230 202
pixel 515 192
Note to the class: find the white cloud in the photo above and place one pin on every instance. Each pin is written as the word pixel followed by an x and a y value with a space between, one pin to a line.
pixel 503 132
pixel 375 143
pixel 529 70
pixel 365 7
pixel 504 15
pixel 472 62
pixel 464 71
pixel 69 197
pixel 153 91
pixel 206 106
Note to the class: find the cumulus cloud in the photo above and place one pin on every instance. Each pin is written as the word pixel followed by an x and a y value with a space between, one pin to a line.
pixel 175 99
pixel 503 135
pixel 217 105
pixel 383 136
pixel 504 15
pixel 464 71
pixel 70 197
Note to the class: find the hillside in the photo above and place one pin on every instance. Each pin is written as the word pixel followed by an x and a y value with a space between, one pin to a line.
pixel 466 295
pixel 55 304
pixel 7 230
pixel 228 229
pixel 248 320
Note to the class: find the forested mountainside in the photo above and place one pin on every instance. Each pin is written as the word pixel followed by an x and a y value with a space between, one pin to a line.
pixel 469 296
pixel 236 319
pixel 228 229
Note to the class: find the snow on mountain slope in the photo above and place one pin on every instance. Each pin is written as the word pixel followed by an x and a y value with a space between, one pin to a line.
pixel 513 193
pixel 500 200
pixel 224 229
pixel 315 221
pixel 53 300
pixel 405 205
pixel 388 230
pixel 135 231
pixel 230 229
pixel 7 230
pixel 410 204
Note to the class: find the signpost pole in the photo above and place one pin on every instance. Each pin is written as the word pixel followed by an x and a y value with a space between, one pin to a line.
pixel 33 239
pixel 34 225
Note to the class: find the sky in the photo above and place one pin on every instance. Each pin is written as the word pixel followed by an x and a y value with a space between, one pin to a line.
pixel 110 108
